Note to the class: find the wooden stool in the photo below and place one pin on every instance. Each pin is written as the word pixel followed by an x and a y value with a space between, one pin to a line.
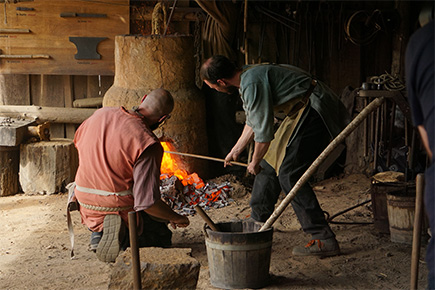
pixel 46 167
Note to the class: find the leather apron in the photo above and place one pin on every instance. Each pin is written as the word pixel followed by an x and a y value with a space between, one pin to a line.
pixel 293 111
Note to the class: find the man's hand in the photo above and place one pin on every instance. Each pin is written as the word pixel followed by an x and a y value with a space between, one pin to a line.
pixel 232 156
pixel 254 167
pixel 180 222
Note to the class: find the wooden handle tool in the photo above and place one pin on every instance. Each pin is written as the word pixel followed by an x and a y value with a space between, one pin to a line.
pixel 206 218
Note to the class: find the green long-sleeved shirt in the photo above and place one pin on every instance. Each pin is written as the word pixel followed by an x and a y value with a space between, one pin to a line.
pixel 263 87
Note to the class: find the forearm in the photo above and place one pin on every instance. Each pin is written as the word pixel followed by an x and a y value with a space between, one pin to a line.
pixel 161 210
pixel 244 139
pixel 260 150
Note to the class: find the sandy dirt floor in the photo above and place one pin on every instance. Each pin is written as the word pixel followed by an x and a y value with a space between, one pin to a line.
pixel 34 245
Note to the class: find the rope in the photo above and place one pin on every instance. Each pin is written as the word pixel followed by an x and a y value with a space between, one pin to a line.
pixel 158 18
pixel 101 208
pixel 388 82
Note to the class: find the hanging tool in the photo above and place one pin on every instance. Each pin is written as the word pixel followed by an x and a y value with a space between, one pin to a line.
pixel 46 56
pixel 310 171
pixel 25 9
pixel 87 47
pixel 89 15
pixel 14 30
pixel 207 158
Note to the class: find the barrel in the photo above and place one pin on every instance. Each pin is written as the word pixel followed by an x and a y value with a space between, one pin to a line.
pixel 401 213
pixel 239 255
pixel 382 184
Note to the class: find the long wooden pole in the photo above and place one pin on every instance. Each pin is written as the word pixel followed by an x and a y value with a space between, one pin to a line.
pixel 310 171
pixel 416 238
pixel 206 157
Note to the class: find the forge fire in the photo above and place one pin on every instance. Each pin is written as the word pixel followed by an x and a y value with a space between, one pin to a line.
pixel 182 190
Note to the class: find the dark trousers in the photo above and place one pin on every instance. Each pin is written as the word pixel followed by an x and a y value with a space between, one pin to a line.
pixel 307 145
pixel 153 234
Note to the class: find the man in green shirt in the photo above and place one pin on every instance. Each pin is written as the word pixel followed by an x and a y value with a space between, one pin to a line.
pixel 311 116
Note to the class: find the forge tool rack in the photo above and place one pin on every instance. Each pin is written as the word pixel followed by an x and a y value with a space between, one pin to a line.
pixel 378 131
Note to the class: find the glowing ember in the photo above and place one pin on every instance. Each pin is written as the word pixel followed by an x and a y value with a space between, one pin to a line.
pixel 172 166
pixel 193 190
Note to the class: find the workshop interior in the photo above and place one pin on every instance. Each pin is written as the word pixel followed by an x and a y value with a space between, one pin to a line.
pixel 61 61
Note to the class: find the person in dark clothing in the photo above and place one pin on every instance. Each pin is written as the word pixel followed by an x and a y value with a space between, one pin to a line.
pixel 420 78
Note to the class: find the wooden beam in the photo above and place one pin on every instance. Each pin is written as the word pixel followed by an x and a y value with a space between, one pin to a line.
pixel 180 14
pixel 69 99
pixel 47 114
pixel 88 103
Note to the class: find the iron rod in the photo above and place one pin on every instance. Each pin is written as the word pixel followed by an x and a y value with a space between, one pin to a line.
pixel 206 157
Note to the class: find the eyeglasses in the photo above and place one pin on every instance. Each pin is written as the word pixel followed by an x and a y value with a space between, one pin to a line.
pixel 163 119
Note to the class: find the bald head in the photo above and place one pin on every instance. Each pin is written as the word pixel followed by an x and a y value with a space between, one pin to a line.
pixel 157 103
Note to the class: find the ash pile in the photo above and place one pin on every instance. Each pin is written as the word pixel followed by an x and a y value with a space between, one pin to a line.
pixel 183 195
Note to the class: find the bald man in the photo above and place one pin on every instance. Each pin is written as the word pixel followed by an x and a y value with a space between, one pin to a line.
pixel 119 171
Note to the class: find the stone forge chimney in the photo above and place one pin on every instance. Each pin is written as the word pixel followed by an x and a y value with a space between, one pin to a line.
pixel 144 63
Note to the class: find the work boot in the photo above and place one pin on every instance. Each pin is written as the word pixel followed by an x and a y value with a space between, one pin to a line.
pixel 95 240
pixel 320 248
pixel 110 244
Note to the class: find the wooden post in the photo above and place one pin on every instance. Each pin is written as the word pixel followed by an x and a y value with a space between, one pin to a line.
pixel 9 167
pixel 135 258
pixel 70 129
pixel 416 240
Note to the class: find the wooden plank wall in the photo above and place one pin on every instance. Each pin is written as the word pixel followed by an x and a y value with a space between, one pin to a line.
pixel 49 35
pixel 52 91
pixel 61 79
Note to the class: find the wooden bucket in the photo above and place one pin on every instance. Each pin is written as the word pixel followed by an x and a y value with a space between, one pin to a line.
pixel 382 184
pixel 238 255
pixel 401 213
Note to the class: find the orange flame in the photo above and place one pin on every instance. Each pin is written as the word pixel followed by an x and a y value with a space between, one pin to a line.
pixel 174 166
pixel 170 165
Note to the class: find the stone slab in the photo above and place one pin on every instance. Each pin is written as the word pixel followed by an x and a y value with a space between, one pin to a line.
pixel 161 268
